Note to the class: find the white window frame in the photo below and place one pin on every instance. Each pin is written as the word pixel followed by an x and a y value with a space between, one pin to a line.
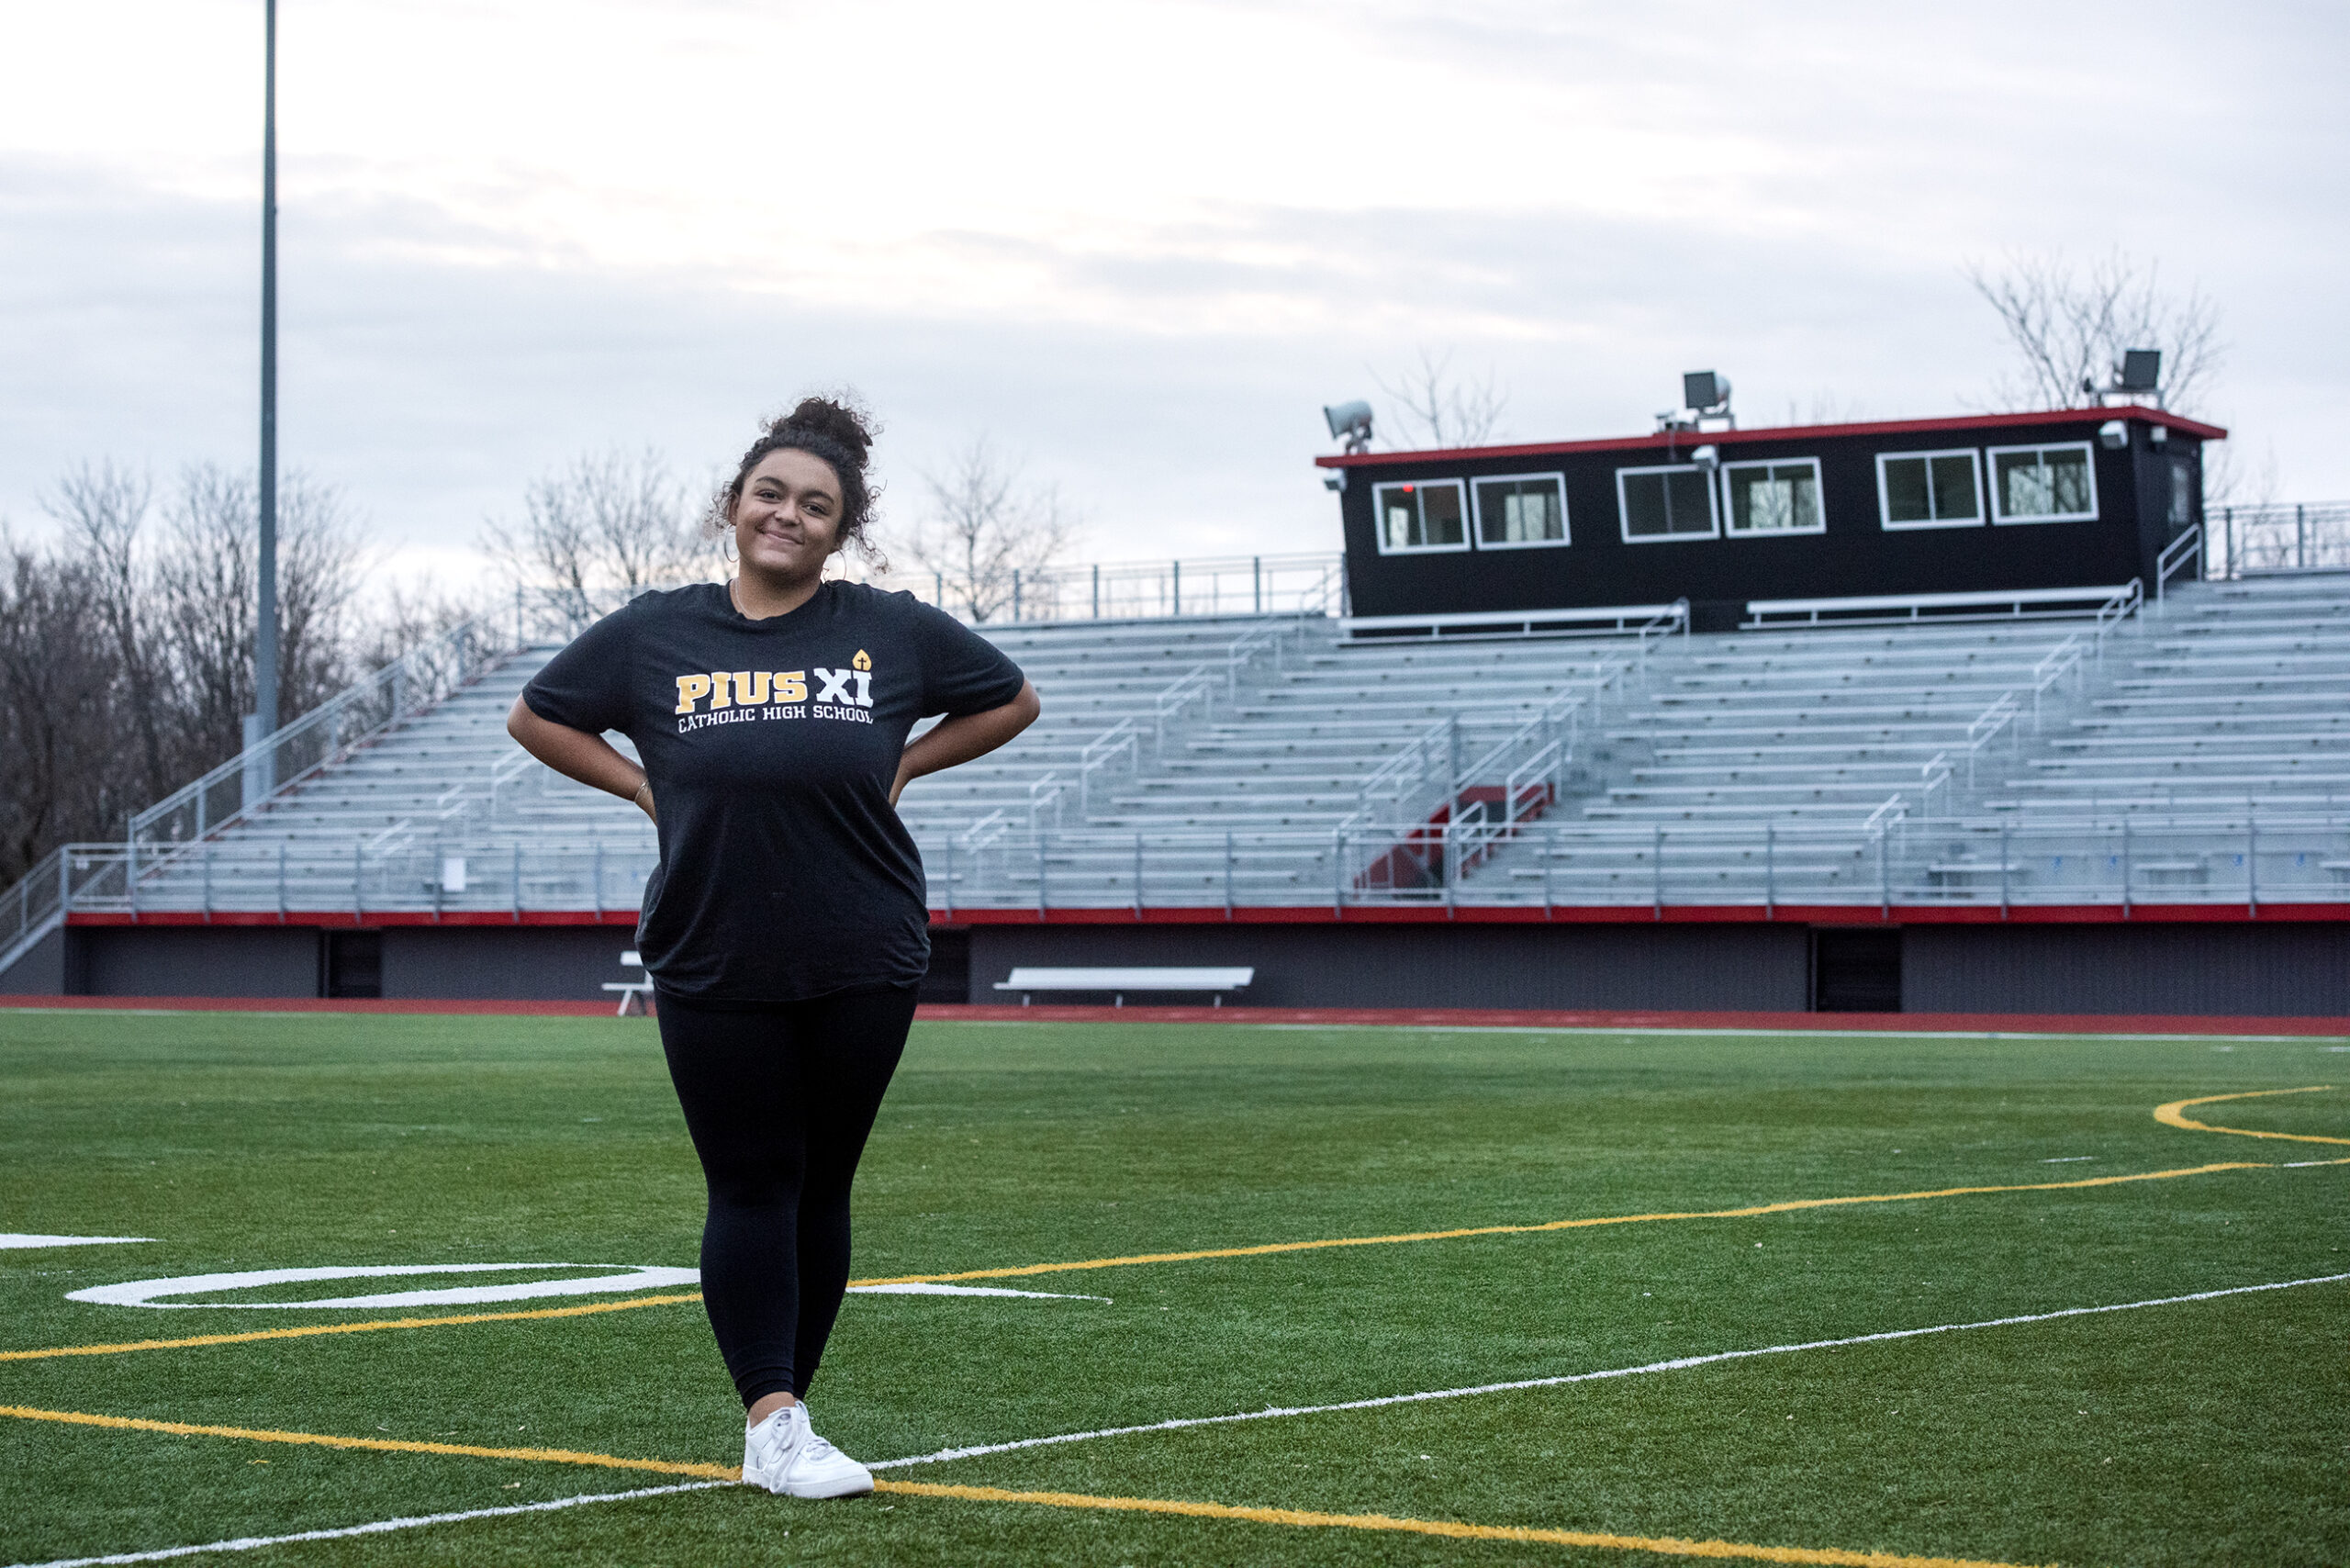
pixel 1982 492
pixel 1991 475
pixel 1378 518
pixel 1477 522
pixel 1624 514
pixel 1726 513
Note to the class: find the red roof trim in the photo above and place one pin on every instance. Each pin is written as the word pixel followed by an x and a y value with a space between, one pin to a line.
pixel 1660 441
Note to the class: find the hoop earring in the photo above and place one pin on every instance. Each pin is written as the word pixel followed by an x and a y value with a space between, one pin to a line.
pixel 726 547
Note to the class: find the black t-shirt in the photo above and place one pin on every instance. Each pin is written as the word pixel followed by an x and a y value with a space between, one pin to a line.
pixel 771 745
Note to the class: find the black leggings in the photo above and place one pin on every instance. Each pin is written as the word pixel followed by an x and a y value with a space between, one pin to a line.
pixel 780 1102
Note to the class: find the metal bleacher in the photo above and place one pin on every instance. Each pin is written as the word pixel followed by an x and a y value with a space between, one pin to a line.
pixel 2194 751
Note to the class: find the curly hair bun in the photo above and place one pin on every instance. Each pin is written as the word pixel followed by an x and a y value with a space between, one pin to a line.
pixel 834 429
pixel 836 421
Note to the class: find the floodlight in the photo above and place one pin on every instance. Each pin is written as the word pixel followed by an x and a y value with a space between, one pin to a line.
pixel 1335 480
pixel 2159 435
pixel 2113 435
pixel 1704 390
pixel 2141 371
pixel 1350 422
pixel 1708 458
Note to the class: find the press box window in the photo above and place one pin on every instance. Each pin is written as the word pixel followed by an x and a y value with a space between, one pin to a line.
pixel 1774 497
pixel 1515 512
pixel 1929 489
pixel 1420 517
pixel 2183 495
pixel 2042 484
pixel 1665 503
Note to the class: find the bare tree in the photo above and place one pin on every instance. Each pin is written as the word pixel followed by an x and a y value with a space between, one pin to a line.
pixel 1441 411
pixel 987 522
pixel 601 530
pixel 2069 325
pixel 401 617
pixel 103 509
pixel 60 707
pixel 143 635
pixel 205 596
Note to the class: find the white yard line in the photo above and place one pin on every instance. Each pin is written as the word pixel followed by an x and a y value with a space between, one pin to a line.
pixel 1675 1365
pixel 380 1527
pixel 248 1543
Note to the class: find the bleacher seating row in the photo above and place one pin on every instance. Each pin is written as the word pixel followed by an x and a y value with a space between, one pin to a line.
pixel 1260 760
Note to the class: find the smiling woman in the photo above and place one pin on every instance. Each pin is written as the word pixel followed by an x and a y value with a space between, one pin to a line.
pixel 787 924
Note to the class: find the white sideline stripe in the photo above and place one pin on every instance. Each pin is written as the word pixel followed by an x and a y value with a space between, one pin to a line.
pixel 249 1544
pixel 1674 1365
pixel 18 1238
pixel 922 1288
pixel 380 1527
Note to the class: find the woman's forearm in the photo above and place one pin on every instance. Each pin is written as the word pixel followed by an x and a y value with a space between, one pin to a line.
pixel 965 736
pixel 575 754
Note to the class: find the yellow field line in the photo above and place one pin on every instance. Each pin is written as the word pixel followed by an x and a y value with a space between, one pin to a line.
pixel 1668 1545
pixel 381 1445
pixel 1292 1516
pixel 1786 1207
pixel 308 1330
pixel 1261 1249
pixel 2170 1117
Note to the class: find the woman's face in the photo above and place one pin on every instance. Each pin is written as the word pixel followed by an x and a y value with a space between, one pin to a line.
pixel 787 518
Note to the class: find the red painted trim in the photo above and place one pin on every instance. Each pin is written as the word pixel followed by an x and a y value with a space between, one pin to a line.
pixel 1495 1017
pixel 1662 442
pixel 2231 913
pixel 1421 1017
pixel 371 920
pixel 2236 914
pixel 310 1004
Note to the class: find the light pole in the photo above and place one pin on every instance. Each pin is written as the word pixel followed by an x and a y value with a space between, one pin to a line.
pixel 261 773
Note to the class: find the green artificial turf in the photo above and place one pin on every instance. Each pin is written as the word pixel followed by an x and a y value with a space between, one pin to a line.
pixel 2210 1432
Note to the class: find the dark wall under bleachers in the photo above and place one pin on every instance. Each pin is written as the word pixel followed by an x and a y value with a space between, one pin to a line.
pixel 2272 968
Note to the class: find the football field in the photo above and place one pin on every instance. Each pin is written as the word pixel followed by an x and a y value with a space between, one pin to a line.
pixel 1167 1293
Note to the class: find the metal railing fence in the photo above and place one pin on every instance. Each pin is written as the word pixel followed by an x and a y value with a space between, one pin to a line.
pixel 1477 860
pixel 1304 584
pixel 408 685
pixel 2300 537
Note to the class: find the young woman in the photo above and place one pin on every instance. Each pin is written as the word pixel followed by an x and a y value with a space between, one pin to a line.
pixel 785 927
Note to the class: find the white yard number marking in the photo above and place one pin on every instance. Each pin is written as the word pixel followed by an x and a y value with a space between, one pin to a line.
pixel 151 1293
pixel 638 1277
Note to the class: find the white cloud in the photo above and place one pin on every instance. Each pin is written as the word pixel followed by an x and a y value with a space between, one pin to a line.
pixel 1139 241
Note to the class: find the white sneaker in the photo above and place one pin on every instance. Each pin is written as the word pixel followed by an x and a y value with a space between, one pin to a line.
pixel 784 1454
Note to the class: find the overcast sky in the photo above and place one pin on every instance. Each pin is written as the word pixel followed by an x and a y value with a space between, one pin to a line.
pixel 1136 244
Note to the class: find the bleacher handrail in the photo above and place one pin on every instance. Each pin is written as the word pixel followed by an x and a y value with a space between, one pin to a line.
pixel 1400 778
pixel 417 679
pixel 2175 557
pixel 1120 739
pixel 1889 609
pixel 1639 621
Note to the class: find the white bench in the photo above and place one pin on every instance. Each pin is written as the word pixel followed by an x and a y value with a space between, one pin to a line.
pixel 638 992
pixel 1117 982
